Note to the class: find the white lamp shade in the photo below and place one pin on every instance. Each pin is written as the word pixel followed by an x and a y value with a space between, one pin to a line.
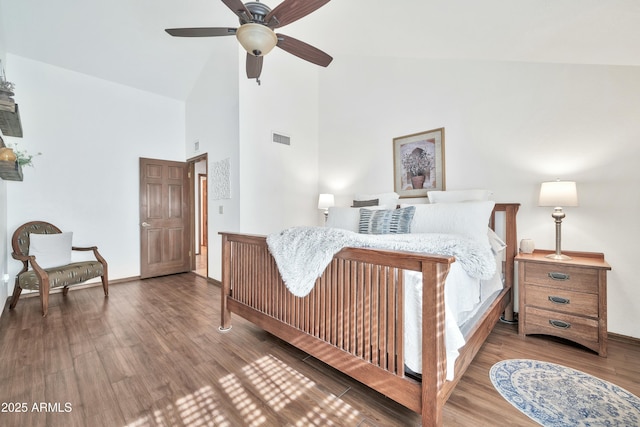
pixel 325 201
pixel 558 194
pixel 256 39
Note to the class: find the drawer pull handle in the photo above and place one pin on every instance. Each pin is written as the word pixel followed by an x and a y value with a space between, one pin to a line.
pixel 558 300
pixel 559 324
pixel 559 276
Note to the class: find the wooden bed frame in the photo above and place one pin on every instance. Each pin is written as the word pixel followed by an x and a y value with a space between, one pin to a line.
pixel 349 320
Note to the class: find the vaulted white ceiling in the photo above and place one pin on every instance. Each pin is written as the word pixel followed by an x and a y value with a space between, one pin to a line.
pixel 124 40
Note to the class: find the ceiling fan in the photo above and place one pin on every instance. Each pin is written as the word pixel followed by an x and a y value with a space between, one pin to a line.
pixel 256 32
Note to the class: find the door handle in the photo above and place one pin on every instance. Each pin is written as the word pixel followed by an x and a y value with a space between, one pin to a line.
pixel 146 224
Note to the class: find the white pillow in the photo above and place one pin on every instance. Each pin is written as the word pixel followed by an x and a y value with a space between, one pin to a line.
pixel 453 196
pixel 469 219
pixel 345 218
pixel 51 250
pixel 385 200
pixel 497 244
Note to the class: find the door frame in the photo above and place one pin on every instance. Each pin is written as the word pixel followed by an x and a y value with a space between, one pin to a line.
pixel 161 221
pixel 192 208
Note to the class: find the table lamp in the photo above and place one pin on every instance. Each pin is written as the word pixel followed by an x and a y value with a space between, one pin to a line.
pixel 325 201
pixel 558 194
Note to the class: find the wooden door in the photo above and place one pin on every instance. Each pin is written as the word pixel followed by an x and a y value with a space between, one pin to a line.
pixel 165 227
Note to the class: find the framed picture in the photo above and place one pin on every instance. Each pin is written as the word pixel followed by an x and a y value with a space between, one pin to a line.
pixel 418 163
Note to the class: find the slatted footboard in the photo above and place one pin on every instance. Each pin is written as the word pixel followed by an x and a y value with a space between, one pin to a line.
pixel 353 318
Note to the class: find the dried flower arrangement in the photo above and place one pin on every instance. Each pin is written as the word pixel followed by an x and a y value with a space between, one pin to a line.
pixel 417 162
pixel 22 156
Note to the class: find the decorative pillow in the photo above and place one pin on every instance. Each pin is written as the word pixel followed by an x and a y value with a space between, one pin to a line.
pixel 364 203
pixel 346 218
pixel 469 219
pixel 453 196
pixel 392 221
pixel 387 200
pixel 51 250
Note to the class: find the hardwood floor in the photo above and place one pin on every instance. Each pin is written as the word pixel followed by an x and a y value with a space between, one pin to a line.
pixel 151 355
pixel 201 262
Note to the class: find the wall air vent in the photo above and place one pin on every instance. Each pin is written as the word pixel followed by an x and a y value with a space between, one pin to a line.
pixel 280 138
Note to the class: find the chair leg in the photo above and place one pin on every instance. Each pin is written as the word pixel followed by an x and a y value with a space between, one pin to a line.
pixel 105 284
pixel 17 290
pixel 65 291
pixel 44 296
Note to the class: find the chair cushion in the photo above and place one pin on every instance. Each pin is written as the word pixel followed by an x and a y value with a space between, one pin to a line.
pixel 51 250
pixel 67 275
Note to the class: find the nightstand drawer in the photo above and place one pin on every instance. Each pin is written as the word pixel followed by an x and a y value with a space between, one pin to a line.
pixel 579 329
pixel 562 300
pixel 564 276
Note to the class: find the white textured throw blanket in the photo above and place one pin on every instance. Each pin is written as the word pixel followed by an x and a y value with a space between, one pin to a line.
pixel 303 253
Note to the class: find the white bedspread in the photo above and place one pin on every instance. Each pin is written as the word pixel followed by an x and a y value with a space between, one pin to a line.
pixel 303 253
pixel 461 295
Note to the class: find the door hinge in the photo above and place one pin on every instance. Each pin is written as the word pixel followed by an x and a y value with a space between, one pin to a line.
pixel 189 253
pixel 188 174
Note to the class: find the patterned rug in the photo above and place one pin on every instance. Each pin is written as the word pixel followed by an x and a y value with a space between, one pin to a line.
pixel 554 395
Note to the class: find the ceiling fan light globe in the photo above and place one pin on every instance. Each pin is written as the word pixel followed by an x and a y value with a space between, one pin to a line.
pixel 256 39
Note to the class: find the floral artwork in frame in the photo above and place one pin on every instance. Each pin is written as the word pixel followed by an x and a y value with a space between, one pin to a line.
pixel 418 163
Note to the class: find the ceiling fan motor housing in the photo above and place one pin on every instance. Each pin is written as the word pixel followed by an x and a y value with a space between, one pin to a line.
pixel 258 10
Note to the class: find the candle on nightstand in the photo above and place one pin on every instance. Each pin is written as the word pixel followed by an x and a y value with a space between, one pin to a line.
pixel 527 246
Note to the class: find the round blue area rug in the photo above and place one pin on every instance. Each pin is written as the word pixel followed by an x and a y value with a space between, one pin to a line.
pixel 554 395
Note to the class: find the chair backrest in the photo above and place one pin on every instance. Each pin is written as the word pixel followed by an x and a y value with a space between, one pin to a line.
pixel 20 239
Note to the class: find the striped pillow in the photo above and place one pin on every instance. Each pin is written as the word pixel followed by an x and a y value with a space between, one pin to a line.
pixel 394 221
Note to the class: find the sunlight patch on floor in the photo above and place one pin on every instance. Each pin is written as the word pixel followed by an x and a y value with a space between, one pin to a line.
pixel 317 416
pixel 197 409
pixel 267 381
pixel 244 403
pixel 277 383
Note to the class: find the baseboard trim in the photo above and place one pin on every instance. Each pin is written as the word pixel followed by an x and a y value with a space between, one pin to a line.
pixel 623 338
pixel 215 282
pixel 32 294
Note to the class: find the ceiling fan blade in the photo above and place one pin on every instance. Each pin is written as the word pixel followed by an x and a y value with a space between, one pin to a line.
pixel 254 66
pixel 291 10
pixel 239 9
pixel 303 50
pixel 201 32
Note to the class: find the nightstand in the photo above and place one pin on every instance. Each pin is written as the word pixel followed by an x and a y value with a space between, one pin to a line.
pixel 564 298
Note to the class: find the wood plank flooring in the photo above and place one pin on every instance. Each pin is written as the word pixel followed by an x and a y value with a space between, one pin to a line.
pixel 151 355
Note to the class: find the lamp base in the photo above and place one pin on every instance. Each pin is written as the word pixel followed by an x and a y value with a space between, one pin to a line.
pixel 560 257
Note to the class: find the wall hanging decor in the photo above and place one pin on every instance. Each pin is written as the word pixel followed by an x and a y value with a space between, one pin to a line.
pixel 418 163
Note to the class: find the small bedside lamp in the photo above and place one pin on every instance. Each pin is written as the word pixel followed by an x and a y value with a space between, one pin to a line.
pixel 558 194
pixel 325 201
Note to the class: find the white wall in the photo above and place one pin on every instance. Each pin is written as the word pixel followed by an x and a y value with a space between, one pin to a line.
pixel 4 234
pixel 212 119
pixel 508 127
pixel 91 133
pixel 279 182
pixel 4 252
pixel 273 186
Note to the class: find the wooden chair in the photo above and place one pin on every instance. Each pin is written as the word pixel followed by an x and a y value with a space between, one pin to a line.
pixel 45 279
